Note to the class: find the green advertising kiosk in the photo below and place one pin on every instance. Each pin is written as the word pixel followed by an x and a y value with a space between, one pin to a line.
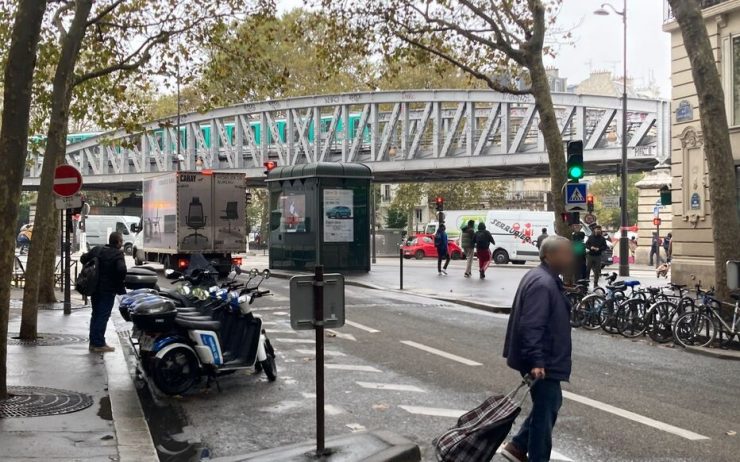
pixel 319 215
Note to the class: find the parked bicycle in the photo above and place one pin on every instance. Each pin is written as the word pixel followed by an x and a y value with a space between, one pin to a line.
pixel 704 325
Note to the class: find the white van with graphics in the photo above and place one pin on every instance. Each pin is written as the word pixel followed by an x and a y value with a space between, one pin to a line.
pixel 516 232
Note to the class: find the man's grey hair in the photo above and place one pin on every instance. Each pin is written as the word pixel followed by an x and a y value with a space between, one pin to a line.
pixel 551 244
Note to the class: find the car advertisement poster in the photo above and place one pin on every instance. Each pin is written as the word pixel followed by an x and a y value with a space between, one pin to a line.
pixel 339 215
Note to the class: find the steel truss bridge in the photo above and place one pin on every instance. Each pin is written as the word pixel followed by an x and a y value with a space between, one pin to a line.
pixel 415 135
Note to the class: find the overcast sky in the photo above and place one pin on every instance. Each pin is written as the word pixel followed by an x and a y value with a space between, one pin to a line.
pixel 598 41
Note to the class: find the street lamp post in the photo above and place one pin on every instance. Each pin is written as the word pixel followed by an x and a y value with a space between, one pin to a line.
pixel 624 269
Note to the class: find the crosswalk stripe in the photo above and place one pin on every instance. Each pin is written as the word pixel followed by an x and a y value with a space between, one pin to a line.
pixel 326 352
pixel 689 435
pixel 441 353
pixel 351 367
pixel 294 340
pixel 341 335
pixel 390 386
pixel 361 326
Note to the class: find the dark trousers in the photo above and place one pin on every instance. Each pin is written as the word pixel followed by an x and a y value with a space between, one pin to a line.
pixel 658 259
pixel 535 435
pixel 102 304
pixel 441 257
pixel 593 263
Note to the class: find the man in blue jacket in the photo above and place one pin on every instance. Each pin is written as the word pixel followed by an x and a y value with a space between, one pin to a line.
pixel 538 343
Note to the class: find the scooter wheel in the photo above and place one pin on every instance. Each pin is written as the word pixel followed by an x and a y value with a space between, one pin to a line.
pixel 270 368
pixel 176 371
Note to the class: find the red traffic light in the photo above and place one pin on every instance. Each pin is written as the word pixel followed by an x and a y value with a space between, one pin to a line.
pixel 656 221
pixel 589 198
pixel 439 200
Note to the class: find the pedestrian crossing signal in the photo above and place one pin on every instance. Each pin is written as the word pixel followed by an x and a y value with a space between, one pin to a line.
pixel 440 202
pixel 590 203
pixel 575 160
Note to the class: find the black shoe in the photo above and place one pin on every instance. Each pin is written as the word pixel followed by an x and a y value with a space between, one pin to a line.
pixel 482 275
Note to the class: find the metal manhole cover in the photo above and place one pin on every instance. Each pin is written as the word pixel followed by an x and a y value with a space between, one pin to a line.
pixel 41 401
pixel 48 340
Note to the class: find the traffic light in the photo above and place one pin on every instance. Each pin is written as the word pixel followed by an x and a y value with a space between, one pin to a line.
pixel 665 195
pixel 656 221
pixel 269 165
pixel 440 202
pixel 575 160
pixel 590 203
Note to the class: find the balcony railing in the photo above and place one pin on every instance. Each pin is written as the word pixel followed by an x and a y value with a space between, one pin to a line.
pixel 668 11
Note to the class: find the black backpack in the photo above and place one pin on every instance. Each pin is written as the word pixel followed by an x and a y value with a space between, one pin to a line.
pixel 87 280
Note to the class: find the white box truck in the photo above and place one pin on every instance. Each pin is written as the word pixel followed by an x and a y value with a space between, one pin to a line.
pixel 185 213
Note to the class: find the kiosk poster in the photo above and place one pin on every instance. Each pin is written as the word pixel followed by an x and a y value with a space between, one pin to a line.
pixel 338 215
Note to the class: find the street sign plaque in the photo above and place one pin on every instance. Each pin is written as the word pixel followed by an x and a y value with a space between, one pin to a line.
pixel 610 202
pixel 589 219
pixel 67 181
pixel 575 197
pixel 302 302
pixel 70 202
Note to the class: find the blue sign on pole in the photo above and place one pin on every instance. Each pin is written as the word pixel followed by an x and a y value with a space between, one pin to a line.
pixel 575 197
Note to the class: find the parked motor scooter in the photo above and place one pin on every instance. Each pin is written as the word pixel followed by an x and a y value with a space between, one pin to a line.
pixel 176 346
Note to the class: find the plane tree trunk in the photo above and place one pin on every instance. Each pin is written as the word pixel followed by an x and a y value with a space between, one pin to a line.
pixel 18 77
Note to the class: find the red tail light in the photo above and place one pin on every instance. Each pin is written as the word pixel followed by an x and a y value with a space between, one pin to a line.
pixel 236 261
pixel 182 263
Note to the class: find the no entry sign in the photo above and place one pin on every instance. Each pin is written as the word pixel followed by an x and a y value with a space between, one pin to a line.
pixel 67 181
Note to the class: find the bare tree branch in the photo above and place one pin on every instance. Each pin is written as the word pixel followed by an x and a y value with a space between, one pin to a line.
pixel 492 84
pixel 57 19
pixel 107 10
pixel 126 64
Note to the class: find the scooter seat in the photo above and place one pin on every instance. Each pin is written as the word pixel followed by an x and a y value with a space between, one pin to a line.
pixel 197 324
pixel 188 309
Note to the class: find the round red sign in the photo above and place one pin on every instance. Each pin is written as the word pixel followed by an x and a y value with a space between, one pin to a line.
pixel 67 181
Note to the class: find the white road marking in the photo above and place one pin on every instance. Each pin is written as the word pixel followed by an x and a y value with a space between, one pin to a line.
pixel 441 353
pixel 309 395
pixel 361 326
pixel 689 435
pixel 355 427
pixel 554 455
pixel 456 413
pixel 351 367
pixel 280 313
pixel 326 352
pixel 390 386
pixel 294 340
pixel 433 411
pixel 330 409
pixel 280 331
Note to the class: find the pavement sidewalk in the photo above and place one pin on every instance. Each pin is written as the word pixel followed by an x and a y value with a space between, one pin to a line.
pixel 110 426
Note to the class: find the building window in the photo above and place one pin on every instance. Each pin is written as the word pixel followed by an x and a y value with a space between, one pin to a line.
pixel 735 80
pixel 737 184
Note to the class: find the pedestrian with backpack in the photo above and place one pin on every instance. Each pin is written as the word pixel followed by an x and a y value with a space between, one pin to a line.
pixel 102 278
pixel 440 242
pixel 466 242
pixel 483 241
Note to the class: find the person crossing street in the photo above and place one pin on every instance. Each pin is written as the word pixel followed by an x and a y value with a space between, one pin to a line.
pixel 466 242
pixel 538 343
pixel 441 242
pixel 483 241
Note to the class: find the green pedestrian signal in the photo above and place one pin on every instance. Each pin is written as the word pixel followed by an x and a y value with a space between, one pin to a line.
pixel 575 160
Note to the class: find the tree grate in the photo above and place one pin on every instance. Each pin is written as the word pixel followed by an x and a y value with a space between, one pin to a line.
pixel 42 401
pixel 44 339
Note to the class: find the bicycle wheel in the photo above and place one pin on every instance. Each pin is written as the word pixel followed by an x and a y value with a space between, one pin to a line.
pixel 608 317
pixel 695 329
pixel 575 298
pixel 659 320
pixel 589 311
pixel 631 318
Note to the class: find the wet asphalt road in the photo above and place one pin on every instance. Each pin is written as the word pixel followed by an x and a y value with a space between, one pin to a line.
pixel 627 400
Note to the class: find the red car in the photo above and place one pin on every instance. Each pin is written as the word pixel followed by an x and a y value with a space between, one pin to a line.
pixel 422 245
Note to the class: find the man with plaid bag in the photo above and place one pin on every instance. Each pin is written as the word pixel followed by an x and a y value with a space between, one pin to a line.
pixel 538 343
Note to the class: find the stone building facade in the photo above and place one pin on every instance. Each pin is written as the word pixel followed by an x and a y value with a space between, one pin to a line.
pixel 693 248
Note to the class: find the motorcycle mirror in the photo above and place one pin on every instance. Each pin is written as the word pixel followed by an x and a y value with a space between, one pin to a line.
pixel 253 272
pixel 266 274
pixel 172 274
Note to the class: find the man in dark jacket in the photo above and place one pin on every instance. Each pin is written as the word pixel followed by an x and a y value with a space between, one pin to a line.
pixel 542 237
pixel 441 242
pixel 467 244
pixel 595 247
pixel 111 275
pixel 538 343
